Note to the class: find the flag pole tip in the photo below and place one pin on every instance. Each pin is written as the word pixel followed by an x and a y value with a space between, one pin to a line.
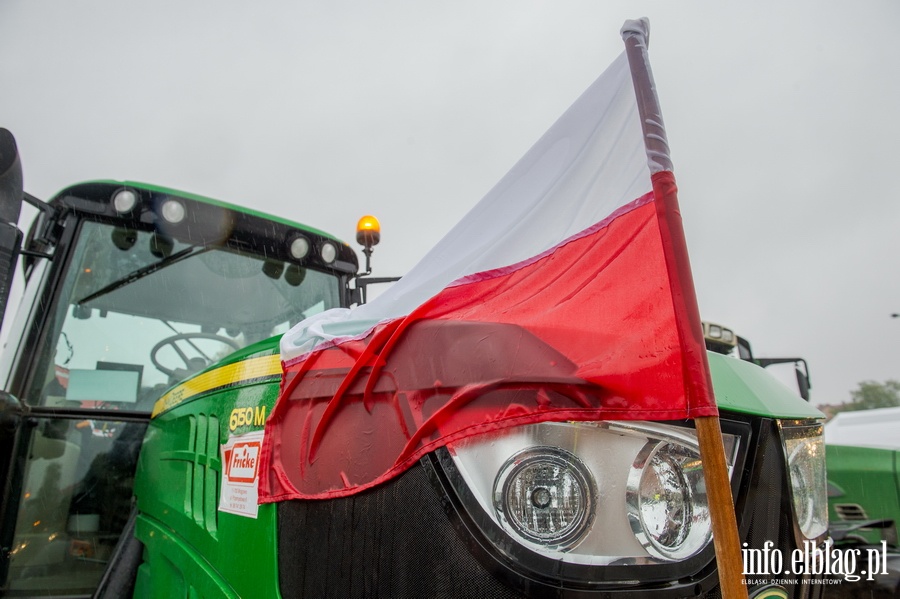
pixel 636 27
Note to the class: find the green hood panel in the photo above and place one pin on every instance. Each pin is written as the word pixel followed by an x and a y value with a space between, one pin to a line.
pixel 748 389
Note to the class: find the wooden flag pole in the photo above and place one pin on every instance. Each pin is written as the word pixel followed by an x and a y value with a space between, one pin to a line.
pixel 709 433
pixel 721 507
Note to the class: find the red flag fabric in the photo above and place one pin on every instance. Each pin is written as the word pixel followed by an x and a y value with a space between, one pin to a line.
pixel 557 298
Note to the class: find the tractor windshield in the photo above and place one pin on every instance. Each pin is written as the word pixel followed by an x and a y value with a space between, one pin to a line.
pixel 139 312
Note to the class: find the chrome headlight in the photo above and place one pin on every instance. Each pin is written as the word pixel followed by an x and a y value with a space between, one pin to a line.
pixel 545 495
pixel 804 450
pixel 594 493
pixel 666 498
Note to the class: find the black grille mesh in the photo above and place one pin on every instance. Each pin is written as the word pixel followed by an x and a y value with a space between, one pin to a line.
pixel 392 541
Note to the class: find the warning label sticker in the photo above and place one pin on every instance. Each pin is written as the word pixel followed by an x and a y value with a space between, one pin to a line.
pixel 240 463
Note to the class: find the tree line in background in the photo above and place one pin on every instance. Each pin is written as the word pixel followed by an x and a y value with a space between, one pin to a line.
pixel 872 394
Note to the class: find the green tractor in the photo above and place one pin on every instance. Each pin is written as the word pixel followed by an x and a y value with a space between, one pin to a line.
pixel 862 454
pixel 142 365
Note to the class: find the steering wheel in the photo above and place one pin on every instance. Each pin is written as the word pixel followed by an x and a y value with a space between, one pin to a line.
pixel 192 365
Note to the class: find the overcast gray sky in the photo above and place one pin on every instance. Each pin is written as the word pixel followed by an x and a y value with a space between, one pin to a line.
pixel 782 118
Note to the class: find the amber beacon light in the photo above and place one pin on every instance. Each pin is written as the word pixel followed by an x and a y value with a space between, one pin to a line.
pixel 368 234
pixel 368 231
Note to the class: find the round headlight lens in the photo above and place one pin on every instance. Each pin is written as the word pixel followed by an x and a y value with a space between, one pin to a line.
pixel 546 496
pixel 299 247
pixel 328 252
pixel 173 211
pixel 124 201
pixel 667 504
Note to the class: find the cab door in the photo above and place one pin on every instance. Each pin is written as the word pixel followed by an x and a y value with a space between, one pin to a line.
pixel 68 498
pixel 72 420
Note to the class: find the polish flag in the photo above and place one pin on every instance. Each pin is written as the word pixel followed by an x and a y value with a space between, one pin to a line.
pixel 562 296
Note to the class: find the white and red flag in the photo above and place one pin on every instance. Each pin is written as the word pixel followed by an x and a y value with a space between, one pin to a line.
pixel 560 297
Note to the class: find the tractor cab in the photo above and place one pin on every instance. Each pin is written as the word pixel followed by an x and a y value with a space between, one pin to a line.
pixel 131 289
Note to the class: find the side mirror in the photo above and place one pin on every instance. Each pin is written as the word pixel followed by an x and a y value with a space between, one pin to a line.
pixel 803 383
pixel 11 194
pixel 11 186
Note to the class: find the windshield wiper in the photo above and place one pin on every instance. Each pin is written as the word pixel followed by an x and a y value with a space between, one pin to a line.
pixel 144 271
